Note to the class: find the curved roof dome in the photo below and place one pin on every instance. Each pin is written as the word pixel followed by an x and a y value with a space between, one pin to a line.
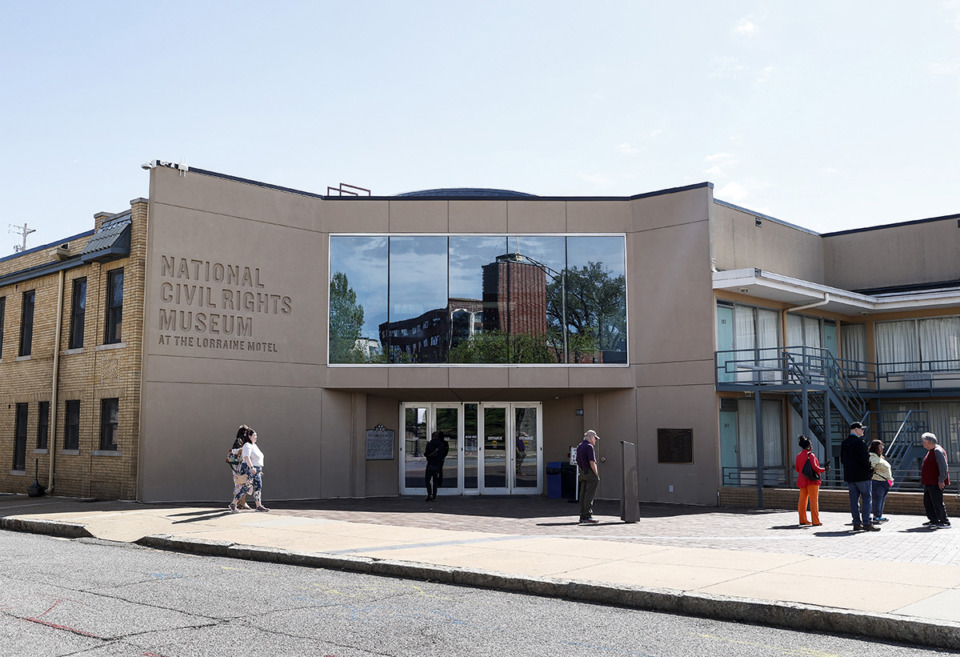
pixel 468 192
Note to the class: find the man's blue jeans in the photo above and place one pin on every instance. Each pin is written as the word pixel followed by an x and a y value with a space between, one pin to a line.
pixel 861 490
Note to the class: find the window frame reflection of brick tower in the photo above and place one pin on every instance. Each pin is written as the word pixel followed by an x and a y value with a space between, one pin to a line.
pixel 514 296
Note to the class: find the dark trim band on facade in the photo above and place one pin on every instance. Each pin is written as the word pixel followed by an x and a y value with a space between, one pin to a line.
pixel 47 246
pixel 41 270
pixel 896 225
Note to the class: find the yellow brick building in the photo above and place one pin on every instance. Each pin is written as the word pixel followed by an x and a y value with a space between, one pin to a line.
pixel 71 327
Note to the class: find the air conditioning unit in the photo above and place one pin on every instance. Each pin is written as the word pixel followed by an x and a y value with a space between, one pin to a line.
pixel 918 380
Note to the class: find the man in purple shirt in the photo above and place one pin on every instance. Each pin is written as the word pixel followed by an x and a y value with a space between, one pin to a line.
pixel 589 476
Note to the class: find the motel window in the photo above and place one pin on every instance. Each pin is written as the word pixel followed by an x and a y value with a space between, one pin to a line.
pixel 748 340
pixel 114 300
pixel 71 428
pixel 492 299
pixel 20 438
pixel 3 305
pixel 26 322
pixel 43 424
pixel 918 345
pixel 77 313
pixel 109 413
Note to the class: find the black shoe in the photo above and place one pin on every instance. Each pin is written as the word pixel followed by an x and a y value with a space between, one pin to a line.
pixel 943 525
pixel 588 521
pixel 930 523
pixel 858 528
pixel 871 528
pixel 428 498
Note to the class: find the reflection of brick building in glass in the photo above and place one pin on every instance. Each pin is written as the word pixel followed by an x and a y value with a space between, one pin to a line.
pixel 514 302
pixel 429 337
pixel 514 296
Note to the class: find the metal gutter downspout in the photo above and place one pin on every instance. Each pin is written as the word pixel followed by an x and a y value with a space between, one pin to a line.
pixel 822 302
pixel 52 438
pixel 815 304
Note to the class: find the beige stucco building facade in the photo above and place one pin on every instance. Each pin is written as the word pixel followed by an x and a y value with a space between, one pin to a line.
pixel 228 316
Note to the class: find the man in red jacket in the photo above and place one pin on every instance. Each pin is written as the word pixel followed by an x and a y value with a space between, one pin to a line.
pixel 935 477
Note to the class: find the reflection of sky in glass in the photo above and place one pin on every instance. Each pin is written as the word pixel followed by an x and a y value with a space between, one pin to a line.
pixel 418 275
pixel 468 255
pixel 546 250
pixel 607 250
pixel 364 261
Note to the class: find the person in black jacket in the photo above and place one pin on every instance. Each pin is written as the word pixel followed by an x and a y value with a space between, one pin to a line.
pixel 435 451
pixel 858 472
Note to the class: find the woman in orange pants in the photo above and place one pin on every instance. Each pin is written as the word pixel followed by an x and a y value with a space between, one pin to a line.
pixel 809 488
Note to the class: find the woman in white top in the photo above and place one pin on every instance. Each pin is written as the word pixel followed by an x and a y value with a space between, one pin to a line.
pixel 252 468
pixel 882 480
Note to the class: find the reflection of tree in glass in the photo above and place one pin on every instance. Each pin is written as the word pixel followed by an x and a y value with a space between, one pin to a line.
pixel 346 321
pixel 492 347
pixel 595 312
pixel 447 422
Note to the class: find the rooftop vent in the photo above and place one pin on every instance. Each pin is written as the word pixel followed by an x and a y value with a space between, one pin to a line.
pixel 61 252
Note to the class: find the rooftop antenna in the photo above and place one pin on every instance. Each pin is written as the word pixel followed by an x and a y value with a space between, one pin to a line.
pixel 23 231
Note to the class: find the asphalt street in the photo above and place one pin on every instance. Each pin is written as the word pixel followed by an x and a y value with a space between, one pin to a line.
pixel 98 598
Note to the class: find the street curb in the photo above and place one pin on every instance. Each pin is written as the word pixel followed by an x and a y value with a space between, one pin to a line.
pixel 48 527
pixel 783 615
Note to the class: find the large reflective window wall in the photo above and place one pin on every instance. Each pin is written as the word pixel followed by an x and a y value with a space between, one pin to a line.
pixel 478 299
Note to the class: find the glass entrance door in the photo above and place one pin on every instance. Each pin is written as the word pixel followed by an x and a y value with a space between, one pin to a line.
pixel 494 435
pixel 416 432
pixel 510 448
pixel 448 420
pixel 493 448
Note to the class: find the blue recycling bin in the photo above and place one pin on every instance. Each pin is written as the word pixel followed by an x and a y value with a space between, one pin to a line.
pixel 554 486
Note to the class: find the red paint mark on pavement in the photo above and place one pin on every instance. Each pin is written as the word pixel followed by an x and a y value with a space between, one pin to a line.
pixel 57 626
pixel 63 627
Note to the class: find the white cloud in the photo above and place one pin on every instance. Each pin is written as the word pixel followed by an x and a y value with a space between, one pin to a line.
pixel 741 191
pixel 746 26
pixel 732 192
pixel 720 163
pixel 627 149
pixel 765 75
pixel 829 171
pixel 725 65
pixel 654 133
pixel 717 157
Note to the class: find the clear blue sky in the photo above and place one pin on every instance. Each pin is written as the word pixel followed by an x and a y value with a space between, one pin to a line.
pixel 829 115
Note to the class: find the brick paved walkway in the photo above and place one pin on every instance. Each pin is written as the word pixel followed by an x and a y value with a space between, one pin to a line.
pixel 901 540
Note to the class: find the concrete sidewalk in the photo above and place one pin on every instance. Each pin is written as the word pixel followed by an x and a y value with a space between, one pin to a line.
pixel 901 584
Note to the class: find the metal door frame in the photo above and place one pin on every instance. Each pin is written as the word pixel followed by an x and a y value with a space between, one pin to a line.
pixel 509 430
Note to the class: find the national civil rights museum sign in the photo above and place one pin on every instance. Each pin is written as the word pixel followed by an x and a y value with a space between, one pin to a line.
pixel 215 305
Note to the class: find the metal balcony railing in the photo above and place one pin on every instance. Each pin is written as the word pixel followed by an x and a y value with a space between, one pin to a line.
pixel 829 393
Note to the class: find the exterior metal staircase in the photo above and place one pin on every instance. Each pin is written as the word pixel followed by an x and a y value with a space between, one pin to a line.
pixel 822 392
pixel 900 432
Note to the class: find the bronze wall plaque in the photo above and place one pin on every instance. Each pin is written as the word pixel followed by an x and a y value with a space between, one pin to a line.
pixel 675 445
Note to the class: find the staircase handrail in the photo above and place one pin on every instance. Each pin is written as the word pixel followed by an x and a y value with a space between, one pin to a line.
pixel 893 442
pixel 844 388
